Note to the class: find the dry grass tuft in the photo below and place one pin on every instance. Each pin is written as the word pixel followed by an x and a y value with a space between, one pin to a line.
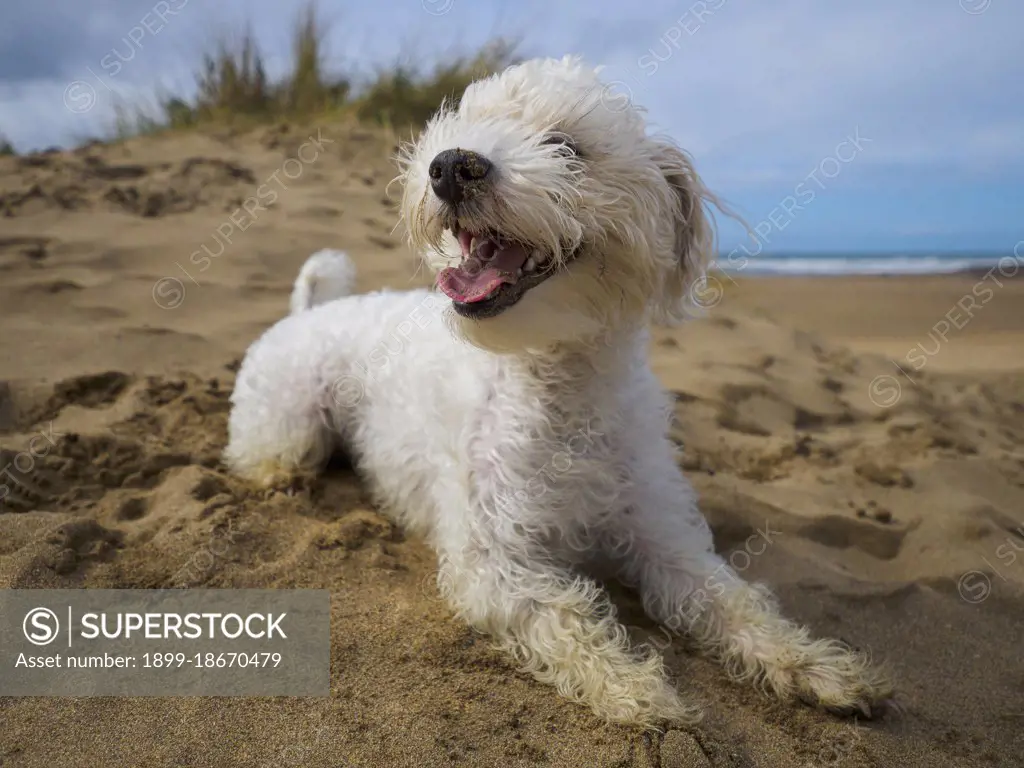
pixel 233 87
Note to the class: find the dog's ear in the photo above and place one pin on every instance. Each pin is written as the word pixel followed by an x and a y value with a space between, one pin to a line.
pixel 695 233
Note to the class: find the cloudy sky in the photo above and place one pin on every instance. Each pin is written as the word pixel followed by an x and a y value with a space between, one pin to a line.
pixel 906 119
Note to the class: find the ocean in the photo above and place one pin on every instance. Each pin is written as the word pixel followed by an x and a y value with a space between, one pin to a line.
pixel 874 263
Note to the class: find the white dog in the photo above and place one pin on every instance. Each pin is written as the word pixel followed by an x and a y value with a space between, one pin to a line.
pixel 512 419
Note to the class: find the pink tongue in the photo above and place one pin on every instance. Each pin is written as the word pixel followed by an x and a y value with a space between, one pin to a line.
pixel 482 273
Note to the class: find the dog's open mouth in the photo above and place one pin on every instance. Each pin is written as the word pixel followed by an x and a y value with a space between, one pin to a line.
pixel 494 273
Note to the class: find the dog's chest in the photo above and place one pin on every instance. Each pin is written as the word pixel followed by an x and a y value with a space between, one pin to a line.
pixel 545 459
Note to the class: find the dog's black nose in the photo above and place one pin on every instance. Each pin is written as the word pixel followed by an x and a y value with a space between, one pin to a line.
pixel 454 171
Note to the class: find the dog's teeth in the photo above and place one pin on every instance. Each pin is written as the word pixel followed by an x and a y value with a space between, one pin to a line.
pixel 537 256
pixel 472 245
pixel 530 265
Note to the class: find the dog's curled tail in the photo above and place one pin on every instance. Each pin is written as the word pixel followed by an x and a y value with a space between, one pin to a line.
pixel 326 275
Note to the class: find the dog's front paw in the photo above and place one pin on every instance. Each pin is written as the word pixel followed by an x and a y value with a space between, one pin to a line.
pixel 273 476
pixel 648 709
pixel 840 681
pixel 638 693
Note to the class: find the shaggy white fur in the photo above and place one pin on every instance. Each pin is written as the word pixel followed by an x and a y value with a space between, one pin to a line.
pixel 515 422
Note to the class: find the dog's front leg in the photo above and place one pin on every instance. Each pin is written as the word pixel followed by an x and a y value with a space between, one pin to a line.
pixel 691 590
pixel 562 630
pixel 740 624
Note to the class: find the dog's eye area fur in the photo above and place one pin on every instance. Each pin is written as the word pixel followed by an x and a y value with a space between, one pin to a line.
pixel 563 141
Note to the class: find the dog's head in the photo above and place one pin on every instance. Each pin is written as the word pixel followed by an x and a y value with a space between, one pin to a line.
pixel 548 213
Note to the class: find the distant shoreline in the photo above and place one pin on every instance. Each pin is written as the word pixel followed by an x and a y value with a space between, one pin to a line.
pixel 873 263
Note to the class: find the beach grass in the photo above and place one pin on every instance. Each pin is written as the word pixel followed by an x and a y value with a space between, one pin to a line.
pixel 232 86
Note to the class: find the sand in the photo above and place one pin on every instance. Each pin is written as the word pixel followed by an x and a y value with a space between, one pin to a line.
pixel 882 486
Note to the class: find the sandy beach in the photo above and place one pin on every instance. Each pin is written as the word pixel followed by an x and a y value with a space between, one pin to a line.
pixel 875 425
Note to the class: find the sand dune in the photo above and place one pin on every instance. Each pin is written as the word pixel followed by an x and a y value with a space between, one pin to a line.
pixel 892 497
